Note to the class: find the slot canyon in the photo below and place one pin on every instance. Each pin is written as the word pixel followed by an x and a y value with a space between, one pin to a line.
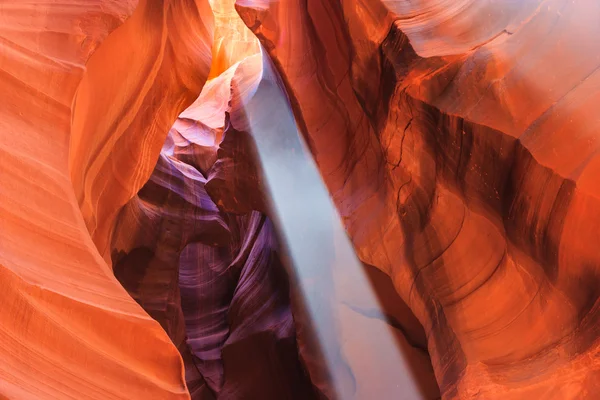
pixel 299 199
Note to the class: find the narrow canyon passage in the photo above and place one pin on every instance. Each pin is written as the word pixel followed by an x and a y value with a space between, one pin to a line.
pixel 299 199
pixel 196 248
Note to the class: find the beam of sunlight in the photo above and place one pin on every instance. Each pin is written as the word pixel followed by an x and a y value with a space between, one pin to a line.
pixel 318 248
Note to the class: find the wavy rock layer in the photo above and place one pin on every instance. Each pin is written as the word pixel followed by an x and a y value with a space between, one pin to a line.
pixel 165 73
pixel 69 329
pixel 449 150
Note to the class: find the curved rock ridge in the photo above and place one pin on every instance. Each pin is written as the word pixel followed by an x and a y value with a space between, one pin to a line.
pixel 68 328
pixel 460 154
pixel 119 124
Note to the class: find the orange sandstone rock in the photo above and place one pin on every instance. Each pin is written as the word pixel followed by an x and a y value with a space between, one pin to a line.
pixel 68 329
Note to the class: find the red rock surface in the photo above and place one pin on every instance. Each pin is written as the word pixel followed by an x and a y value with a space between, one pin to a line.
pixel 168 141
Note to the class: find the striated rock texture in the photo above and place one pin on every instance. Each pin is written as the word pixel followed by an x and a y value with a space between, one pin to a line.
pixel 68 329
pixel 458 143
pixel 123 140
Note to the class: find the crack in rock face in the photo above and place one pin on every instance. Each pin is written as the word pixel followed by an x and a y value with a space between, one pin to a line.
pixel 299 199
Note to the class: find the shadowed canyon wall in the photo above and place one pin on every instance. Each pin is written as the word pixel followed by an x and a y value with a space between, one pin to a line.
pixel 446 142
pixel 164 233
